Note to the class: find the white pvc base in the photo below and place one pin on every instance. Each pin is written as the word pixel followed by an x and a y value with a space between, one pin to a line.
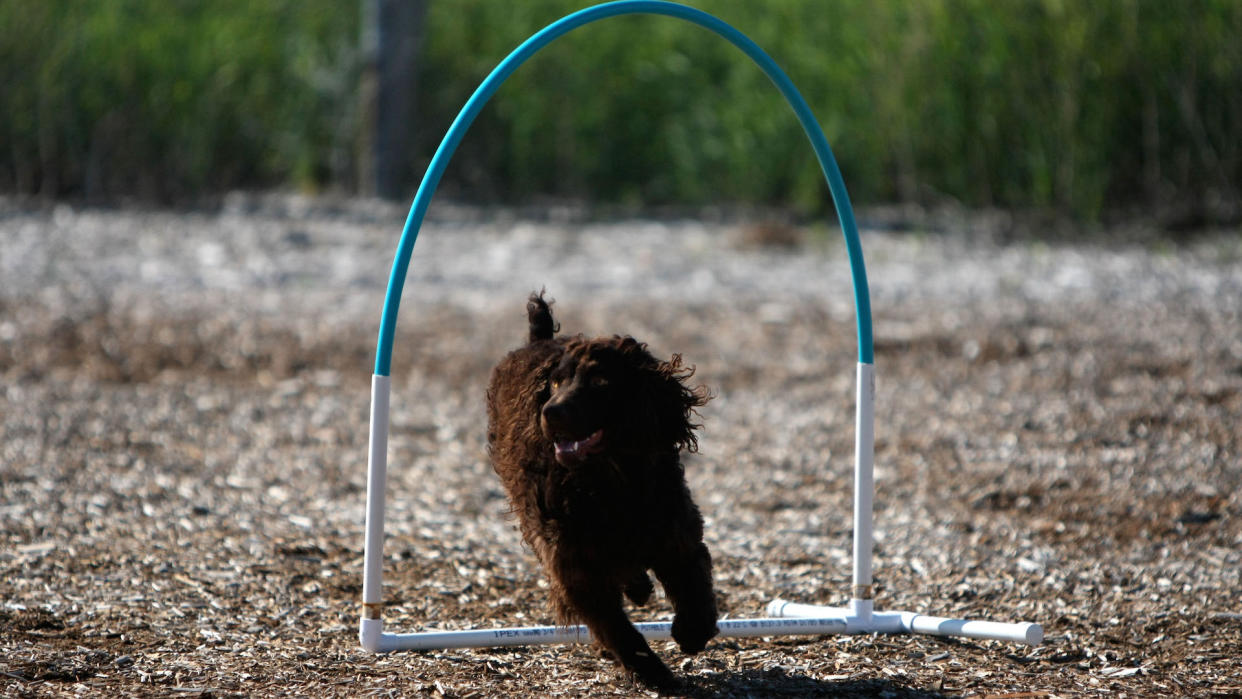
pixel 787 619
pixel 910 622
pixel 374 639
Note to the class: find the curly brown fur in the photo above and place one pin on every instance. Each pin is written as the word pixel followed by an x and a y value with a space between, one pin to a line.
pixel 586 435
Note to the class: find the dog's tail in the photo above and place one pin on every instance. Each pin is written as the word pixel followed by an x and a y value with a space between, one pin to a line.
pixel 539 312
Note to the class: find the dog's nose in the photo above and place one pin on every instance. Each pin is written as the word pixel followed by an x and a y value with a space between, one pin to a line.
pixel 553 412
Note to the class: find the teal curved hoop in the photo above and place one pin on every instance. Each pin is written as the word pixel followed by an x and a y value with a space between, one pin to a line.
pixel 827 163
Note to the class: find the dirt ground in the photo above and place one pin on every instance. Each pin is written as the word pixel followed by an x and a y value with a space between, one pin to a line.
pixel 182 463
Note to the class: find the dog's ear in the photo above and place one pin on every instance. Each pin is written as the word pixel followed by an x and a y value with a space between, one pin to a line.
pixel 666 403
pixel 539 317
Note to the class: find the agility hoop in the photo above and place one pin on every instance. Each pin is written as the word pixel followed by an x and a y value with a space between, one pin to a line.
pixel 785 618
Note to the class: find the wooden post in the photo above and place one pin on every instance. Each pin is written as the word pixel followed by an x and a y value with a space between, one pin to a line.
pixel 391 39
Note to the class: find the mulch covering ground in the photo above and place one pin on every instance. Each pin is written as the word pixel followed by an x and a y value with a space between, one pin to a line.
pixel 182 457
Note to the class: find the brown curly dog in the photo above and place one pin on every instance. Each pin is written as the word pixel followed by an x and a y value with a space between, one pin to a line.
pixel 586 434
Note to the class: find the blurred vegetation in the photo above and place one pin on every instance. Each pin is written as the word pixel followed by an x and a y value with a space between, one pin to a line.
pixel 1076 107
pixel 173 98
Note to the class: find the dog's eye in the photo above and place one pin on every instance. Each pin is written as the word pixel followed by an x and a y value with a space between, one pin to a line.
pixel 599 381
pixel 556 383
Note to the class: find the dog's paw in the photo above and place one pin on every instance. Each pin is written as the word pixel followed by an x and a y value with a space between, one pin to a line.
pixel 692 632
pixel 650 671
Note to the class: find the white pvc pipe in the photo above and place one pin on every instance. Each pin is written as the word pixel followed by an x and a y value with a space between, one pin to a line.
pixel 371 635
pixel 864 485
pixel 854 623
pixel 543 635
pixel 370 626
pixel 911 622
pixel 1023 632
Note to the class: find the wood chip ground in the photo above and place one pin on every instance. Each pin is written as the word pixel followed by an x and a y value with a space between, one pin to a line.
pixel 183 429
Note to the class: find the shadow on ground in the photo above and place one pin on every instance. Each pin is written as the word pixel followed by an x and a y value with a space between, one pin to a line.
pixel 775 682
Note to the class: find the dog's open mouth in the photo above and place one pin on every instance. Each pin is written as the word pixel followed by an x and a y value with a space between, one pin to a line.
pixel 575 450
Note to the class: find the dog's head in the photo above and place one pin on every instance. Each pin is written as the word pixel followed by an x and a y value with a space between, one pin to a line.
pixel 612 394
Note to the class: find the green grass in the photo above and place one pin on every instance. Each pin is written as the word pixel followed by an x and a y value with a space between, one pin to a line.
pixel 1071 106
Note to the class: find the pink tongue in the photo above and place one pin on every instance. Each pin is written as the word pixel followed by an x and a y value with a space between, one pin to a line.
pixel 575 447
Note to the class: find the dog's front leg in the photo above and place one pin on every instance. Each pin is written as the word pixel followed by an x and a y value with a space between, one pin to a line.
pixel 687 579
pixel 599 606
